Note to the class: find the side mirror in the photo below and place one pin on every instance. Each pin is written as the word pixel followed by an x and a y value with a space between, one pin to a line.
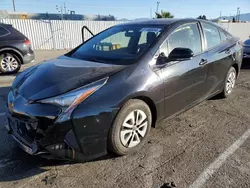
pixel 162 59
pixel 180 54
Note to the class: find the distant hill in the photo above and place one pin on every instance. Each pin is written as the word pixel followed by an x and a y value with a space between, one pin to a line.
pixel 243 17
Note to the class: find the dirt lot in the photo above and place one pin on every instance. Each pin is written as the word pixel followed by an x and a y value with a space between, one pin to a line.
pixel 207 146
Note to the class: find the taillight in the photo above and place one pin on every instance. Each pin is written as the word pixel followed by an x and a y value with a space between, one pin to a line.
pixel 27 42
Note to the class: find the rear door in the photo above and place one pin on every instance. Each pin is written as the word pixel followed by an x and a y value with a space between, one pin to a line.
pixel 220 52
pixel 185 81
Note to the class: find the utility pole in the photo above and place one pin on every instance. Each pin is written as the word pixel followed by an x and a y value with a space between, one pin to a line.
pixel 60 10
pixel 237 15
pixel 158 3
pixel 220 15
pixel 14 5
pixel 150 13
pixel 65 12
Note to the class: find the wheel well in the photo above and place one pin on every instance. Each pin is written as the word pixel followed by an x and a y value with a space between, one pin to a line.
pixel 152 107
pixel 236 68
pixel 13 52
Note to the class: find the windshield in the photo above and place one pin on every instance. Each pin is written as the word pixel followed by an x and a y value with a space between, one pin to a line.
pixel 118 45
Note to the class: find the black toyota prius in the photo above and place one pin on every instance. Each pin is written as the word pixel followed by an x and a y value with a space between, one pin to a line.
pixel 106 94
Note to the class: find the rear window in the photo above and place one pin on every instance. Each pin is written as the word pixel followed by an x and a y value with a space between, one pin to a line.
pixel 3 31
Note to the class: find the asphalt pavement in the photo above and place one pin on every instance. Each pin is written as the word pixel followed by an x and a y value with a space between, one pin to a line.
pixel 206 146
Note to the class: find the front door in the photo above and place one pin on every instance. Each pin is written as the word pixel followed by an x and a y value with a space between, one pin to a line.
pixel 185 81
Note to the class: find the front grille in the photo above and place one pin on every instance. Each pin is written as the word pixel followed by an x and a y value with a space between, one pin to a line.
pixel 23 130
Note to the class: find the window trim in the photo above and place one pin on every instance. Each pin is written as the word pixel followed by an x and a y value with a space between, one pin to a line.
pixel 197 23
pixel 209 49
pixel 5 30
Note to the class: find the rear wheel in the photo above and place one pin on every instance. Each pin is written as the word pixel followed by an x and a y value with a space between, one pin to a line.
pixel 229 82
pixel 131 127
pixel 9 63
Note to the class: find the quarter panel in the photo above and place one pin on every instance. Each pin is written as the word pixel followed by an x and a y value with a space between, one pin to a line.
pixel 220 59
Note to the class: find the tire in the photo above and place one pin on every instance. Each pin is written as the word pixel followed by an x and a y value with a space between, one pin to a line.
pixel 124 129
pixel 9 63
pixel 229 83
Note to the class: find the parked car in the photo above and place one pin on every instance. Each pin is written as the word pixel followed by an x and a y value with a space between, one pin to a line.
pixel 15 49
pixel 107 93
pixel 246 49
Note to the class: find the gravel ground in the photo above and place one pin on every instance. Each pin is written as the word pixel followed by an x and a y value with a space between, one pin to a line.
pixel 202 147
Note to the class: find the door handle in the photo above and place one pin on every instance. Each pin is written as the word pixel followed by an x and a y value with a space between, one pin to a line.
pixel 228 51
pixel 203 62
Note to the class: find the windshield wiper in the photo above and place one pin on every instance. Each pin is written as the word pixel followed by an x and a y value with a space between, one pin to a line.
pixel 96 60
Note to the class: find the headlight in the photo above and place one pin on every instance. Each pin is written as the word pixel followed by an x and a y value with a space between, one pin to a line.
pixel 71 99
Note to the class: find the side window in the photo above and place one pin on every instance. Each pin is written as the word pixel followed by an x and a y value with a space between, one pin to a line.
pixel 3 31
pixel 186 36
pixel 212 35
pixel 223 36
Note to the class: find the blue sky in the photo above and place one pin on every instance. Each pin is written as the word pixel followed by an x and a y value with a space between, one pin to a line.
pixel 132 9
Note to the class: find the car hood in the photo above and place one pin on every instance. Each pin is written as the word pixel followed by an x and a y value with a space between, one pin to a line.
pixel 58 76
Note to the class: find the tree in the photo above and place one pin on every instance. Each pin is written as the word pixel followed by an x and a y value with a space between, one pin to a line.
pixel 164 14
pixel 234 20
pixel 202 17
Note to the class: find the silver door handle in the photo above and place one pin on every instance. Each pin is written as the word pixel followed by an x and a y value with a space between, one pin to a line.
pixel 203 62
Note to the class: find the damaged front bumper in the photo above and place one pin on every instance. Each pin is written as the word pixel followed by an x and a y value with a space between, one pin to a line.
pixel 30 149
pixel 60 150
pixel 40 136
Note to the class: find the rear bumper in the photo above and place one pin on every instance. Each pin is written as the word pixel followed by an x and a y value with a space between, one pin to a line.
pixel 246 56
pixel 246 52
pixel 28 58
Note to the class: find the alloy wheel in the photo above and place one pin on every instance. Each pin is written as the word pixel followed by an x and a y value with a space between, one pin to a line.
pixel 230 82
pixel 9 63
pixel 134 128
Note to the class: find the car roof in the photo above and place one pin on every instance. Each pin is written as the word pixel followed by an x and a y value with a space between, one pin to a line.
pixel 168 21
pixel 161 21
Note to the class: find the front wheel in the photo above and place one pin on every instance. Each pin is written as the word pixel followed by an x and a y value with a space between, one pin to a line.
pixel 131 127
pixel 229 82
